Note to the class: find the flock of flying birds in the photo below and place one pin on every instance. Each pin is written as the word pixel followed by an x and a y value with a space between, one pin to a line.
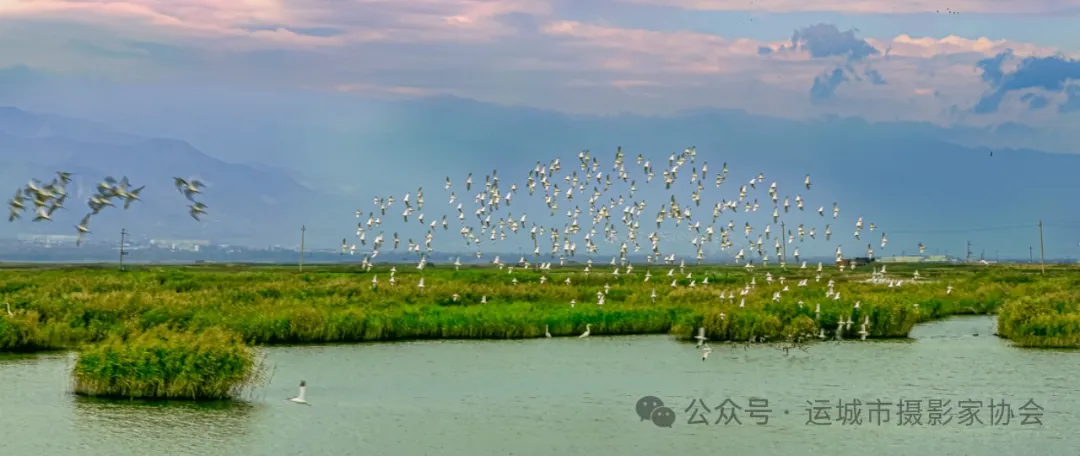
pixel 614 217
pixel 47 198
pixel 619 219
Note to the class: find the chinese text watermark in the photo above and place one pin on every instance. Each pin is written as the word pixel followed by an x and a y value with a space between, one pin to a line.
pixel 841 412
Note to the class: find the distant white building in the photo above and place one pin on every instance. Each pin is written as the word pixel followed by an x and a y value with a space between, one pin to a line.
pixel 914 259
pixel 179 244
pixel 48 239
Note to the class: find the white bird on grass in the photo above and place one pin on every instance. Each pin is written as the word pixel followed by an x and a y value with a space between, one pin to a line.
pixel 588 329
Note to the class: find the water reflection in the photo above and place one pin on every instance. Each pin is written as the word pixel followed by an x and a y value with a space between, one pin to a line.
pixel 169 427
pixel 563 396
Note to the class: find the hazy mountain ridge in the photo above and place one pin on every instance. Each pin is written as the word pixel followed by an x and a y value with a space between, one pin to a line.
pixel 910 178
pixel 913 178
pixel 247 205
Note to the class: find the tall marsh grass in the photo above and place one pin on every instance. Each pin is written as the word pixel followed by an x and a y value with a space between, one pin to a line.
pixel 166 364
pixel 55 308
pixel 1049 320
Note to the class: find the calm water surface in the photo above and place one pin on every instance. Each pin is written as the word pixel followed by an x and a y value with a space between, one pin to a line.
pixel 570 396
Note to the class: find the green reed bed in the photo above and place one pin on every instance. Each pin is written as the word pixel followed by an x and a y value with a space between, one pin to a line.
pixel 165 364
pixel 1050 320
pixel 55 308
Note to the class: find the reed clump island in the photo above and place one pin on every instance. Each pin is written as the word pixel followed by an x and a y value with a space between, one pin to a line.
pixel 161 363
pixel 1050 320
pixel 56 308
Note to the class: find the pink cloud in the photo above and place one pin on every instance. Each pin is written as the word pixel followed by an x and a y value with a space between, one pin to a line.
pixel 650 51
pixel 908 46
pixel 383 90
pixel 628 83
pixel 589 66
pixel 693 52
pixel 688 62
pixel 873 6
pixel 274 22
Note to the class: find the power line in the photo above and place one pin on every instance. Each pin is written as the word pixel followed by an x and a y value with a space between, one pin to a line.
pixel 983 228
pixel 962 230
pixel 1063 225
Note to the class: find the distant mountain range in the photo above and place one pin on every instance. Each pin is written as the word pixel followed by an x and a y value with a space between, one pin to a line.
pixel 248 204
pixel 916 181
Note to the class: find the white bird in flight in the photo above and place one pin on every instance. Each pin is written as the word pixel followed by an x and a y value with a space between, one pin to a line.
pixel 301 396
pixel 700 337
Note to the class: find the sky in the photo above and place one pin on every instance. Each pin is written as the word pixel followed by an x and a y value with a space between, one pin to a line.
pixel 970 61
pixel 293 85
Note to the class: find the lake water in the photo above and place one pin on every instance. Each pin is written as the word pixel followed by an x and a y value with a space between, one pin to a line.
pixel 571 396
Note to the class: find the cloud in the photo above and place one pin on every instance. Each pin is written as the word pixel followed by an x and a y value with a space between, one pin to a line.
pixel 1072 100
pixel 512 51
pixel 1046 7
pixel 826 84
pixel 991 67
pixel 1049 74
pixel 874 76
pixel 907 46
pixel 639 50
pixel 825 40
pixel 293 23
pixel 943 64
pixel 1035 101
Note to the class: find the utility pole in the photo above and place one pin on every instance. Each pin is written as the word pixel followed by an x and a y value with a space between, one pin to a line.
pixel 1042 249
pixel 123 234
pixel 1031 256
pixel 783 242
pixel 302 230
pixel 968 258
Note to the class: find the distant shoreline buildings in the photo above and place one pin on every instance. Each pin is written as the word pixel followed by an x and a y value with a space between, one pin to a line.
pixel 61 248
pixel 47 240
pixel 179 244
pixel 918 259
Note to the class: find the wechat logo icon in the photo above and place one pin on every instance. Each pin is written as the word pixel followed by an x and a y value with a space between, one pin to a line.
pixel 651 408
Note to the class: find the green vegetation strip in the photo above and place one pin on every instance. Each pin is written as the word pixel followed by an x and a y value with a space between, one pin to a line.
pixel 182 331
pixel 60 308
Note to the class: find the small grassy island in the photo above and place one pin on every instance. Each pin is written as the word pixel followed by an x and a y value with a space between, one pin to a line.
pixel 166 364
pixel 137 322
